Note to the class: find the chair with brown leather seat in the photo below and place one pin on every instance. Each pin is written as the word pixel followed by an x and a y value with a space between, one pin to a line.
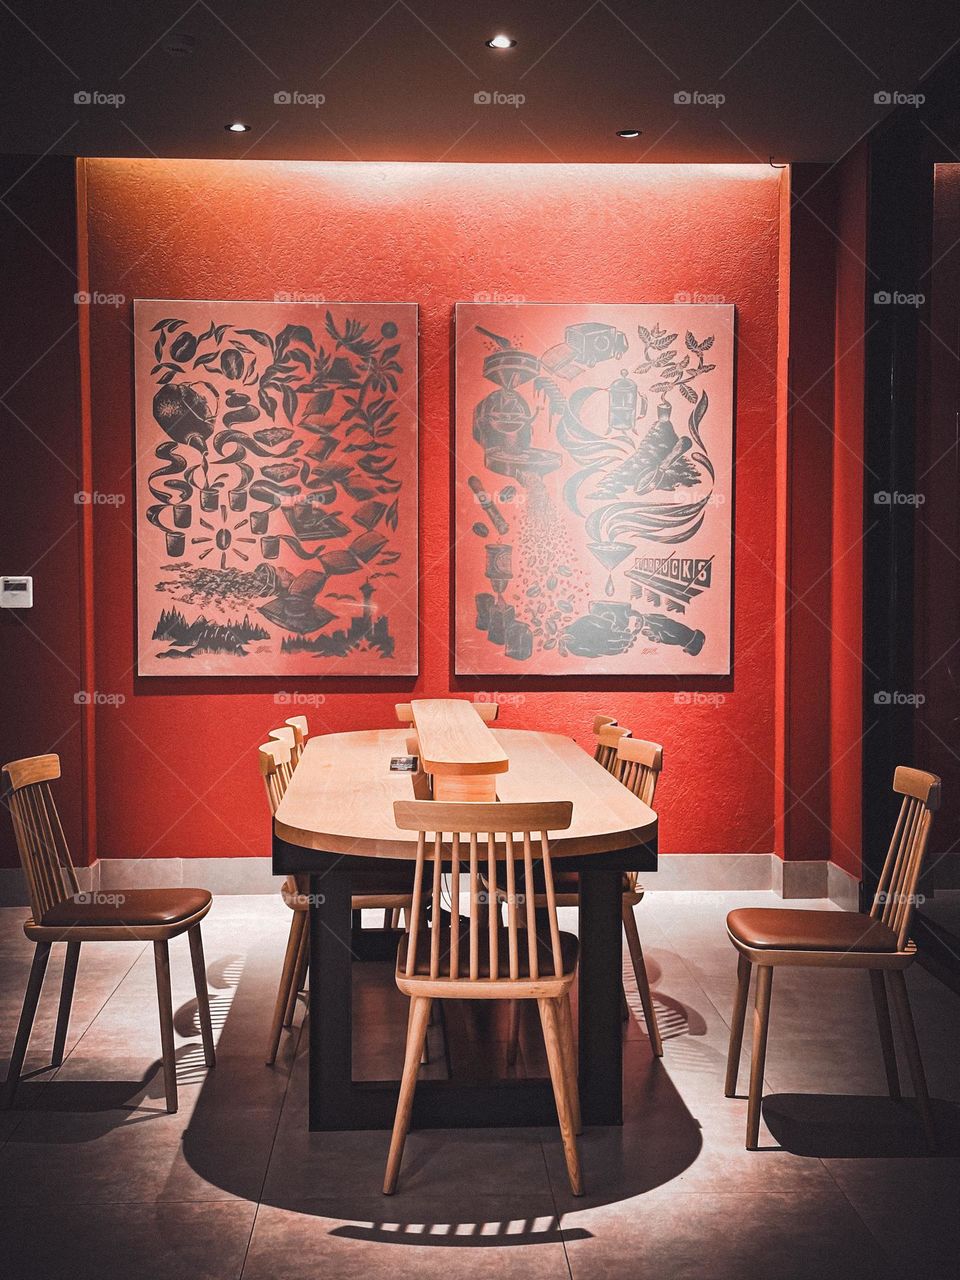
pixel 447 958
pixel 61 913
pixel 878 942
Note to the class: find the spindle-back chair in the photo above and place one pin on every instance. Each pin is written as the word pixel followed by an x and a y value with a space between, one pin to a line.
pixel 62 913
pixel 605 752
pixel 445 957
pixel 878 942
pixel 278 759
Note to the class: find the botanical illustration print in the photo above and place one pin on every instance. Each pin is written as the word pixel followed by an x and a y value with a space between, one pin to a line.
pixel 276 488
pixel 594 488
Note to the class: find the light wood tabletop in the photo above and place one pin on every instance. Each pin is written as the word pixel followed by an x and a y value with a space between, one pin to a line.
pixel 342 794
pixel 457 749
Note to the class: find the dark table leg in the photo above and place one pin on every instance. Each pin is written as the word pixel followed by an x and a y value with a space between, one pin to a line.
pixel 331 998
pixel 601 1050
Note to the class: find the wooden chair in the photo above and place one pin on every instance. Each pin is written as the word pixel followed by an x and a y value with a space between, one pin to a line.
pixel 300 734
pixel 447 958
pixel 639 766
pixel 878 942
pixel 277 767
pixel 602 722
pixel 61 913
pixel 605 752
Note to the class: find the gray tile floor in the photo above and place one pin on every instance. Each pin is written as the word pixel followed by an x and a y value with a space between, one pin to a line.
pixel 96 1180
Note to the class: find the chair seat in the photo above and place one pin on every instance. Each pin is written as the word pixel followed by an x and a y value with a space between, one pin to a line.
pixel 788 929
pixel 569 950
pixel 143 907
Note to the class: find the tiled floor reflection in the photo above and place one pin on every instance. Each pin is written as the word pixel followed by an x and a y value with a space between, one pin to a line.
pixel 96 1180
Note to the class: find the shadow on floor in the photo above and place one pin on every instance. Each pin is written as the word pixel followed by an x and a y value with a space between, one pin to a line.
pixel 856 1127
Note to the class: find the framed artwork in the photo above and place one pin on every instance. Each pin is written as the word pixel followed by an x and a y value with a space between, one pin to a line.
pixel 594 489
pixel 276 459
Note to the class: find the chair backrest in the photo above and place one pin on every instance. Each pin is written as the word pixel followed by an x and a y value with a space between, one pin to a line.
pixel 404 713
pixel 44 855
pixel 601 722
pixel 301 732
pixel 287 736
pixel 896 894
pixel 605 753
pixel 491 832
pixel 276 767
pixel 640 763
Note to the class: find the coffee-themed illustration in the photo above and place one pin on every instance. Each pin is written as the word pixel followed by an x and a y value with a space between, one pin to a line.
pixel 594 488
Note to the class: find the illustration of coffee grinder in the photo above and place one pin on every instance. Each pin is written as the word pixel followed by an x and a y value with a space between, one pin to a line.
pixel 503 420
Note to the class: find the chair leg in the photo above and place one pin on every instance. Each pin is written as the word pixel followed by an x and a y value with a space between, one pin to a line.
pixel 886 1031
pixel 395 918
pixel 553 1039
pixel 416 1034
pixel 303 964
pixel 908 1032
pixel 203 997
pixel 643 983
pixel 570 1058
pixel 736 1026
pixel 31 998
pixel 67 985
pixel 283 992
pixel 513 1033
pixel 161 958
pixel 302 934
pixel 761 1021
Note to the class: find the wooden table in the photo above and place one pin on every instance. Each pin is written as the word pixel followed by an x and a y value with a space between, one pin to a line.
pixel 335 824
pixel 457 749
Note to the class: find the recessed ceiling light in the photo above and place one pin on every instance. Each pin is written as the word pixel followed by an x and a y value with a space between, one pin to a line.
pixel 500 42
pixel 628 133
pixel 237 127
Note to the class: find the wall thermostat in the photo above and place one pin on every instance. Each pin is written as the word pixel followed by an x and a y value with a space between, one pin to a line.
pixel 16 593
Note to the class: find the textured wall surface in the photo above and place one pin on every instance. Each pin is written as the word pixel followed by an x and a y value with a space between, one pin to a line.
pixel 175 766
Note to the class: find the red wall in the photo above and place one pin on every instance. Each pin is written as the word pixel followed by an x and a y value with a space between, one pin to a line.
pixel 174 764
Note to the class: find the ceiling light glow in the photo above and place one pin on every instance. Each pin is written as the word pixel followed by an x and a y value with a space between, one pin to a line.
pixel 500 42
pixel 237 126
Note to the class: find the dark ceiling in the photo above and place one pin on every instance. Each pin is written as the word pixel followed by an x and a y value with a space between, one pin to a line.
pixel 400 79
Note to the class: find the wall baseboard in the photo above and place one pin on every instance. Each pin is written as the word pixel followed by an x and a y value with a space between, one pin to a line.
pixel 702 872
